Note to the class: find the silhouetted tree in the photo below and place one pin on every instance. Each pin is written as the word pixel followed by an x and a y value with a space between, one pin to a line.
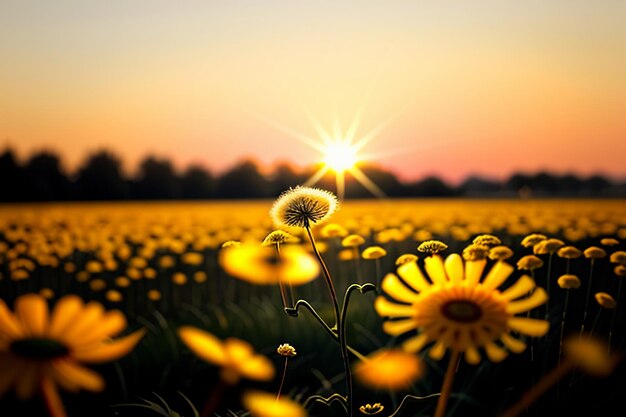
pixel 478 186
pixel 243 181
pixel 101 178
pixel 46 180
pixel 431 187
pixel 157 180
pixel 13 181
pixel 197 183
pixel 283 177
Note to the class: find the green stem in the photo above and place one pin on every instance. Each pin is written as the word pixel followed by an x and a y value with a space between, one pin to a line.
pixel 446 389
pixel 282 380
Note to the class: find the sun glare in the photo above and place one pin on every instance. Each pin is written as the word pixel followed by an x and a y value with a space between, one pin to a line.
pixel 340 156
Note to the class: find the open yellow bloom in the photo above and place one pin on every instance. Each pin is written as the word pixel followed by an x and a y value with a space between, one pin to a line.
pixel 42 350
pixel 455 309
pixel 389 369
pixel 262 404
pixel 373 252
pixel 260 265
pixel 236 357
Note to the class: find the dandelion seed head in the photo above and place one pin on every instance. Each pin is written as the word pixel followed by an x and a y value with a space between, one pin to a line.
pixel 303 207
pixel 278 237
pixel 432 247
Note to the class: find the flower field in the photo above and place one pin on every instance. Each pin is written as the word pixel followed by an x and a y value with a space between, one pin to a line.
pixel 309 306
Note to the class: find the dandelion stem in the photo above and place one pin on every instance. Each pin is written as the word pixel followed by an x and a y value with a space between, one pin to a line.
pixel 547 381
pixel 338 323
pixel 282 380
pixel 281 284
pixel 563 323
pixel 548 285
pixel 52 398
pixel 446 388
pixel 582 327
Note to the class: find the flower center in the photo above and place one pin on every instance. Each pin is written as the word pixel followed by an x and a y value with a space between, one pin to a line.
pixel 38 348
pixel 462 311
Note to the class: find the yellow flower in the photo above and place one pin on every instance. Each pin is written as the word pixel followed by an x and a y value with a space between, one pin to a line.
pixel 548 246
pixel 371 409
pixel 594 252
pixel 286 350
pixel 609 241
pixel 192 258
pixel 475 252
pixel 200 277
pixel 620 270
pixel 179 278
pixel 303 207
pixel 618 257
pixel 533 239
pixel 373 252
pixel 432 247
pixel 389 369
pixel 230 244
pixel 236 357
pixel 333 230
pixel 352 241
pixel 113 296
pixel 590 354
pixel 259 265
pixel 500 253
pixel 154 295
pixel 487 240
pixel 261 404
pixel 456 310
pixel 529 262
pixel 407 257
pixel 569 252
pixel 42 349
pixel 605 300
pixel 568 281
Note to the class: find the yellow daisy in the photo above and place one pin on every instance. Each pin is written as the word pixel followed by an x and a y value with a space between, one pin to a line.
pixel 236 357
pixel 41 350
pixel 455 309
pixel 263 404
pixel 389 369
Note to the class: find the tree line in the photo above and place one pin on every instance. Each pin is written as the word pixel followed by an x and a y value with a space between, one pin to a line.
pixel 100 178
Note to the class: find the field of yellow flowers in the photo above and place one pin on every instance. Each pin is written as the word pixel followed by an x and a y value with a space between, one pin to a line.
pixel 306 306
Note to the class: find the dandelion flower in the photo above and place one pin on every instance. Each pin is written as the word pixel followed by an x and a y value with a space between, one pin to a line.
pixel 590 354
pixel 231 243
pixel 373 252
pixel 332 230
pixel 389 369
pixel 605 300
pixel 371 409
pixel 456 310
pixel 286 350
pixel 548 246
pixel 529 263
pixel 475 252
pixel 487 240
pixel 609 241
pixel 568 281
pixel 303 207
pixel 262 404
pixel 259 265
pixel 533 239
pixel 594 252
pixel 432 247
pixel 500 253
pixel 407 257
pixel 620 270
pixel 42 350
pixel 236 357
pixel 618 257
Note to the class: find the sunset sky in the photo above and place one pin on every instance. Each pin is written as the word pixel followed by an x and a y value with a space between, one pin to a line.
pixel 454 87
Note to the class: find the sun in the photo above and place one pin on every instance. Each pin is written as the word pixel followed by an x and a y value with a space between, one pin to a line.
pixel 340 156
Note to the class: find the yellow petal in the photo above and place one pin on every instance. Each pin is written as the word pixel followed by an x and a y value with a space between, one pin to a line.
pixel 412 275
pixel 454 268
pixel 88 318
pixel 499 272
pixel 537 298
pixel 398 327
pixel 435 270
pixel 395 288
pixel 109 351
pixel 416 343
pixel 385 307
pixel 10 327
pixel 513 344
pixel 472 356
pixel 494 352
pixel 64 314
pixel 527 326
pixel 258 368
pixel 79 375
pixel 32 311
pixel 473 271
pixel 521 287
pixel 204 345
pixel 111 324
pixel 53 399
pixel 437 351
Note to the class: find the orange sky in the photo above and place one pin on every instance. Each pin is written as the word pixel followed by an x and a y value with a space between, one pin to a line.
pixel 481 87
